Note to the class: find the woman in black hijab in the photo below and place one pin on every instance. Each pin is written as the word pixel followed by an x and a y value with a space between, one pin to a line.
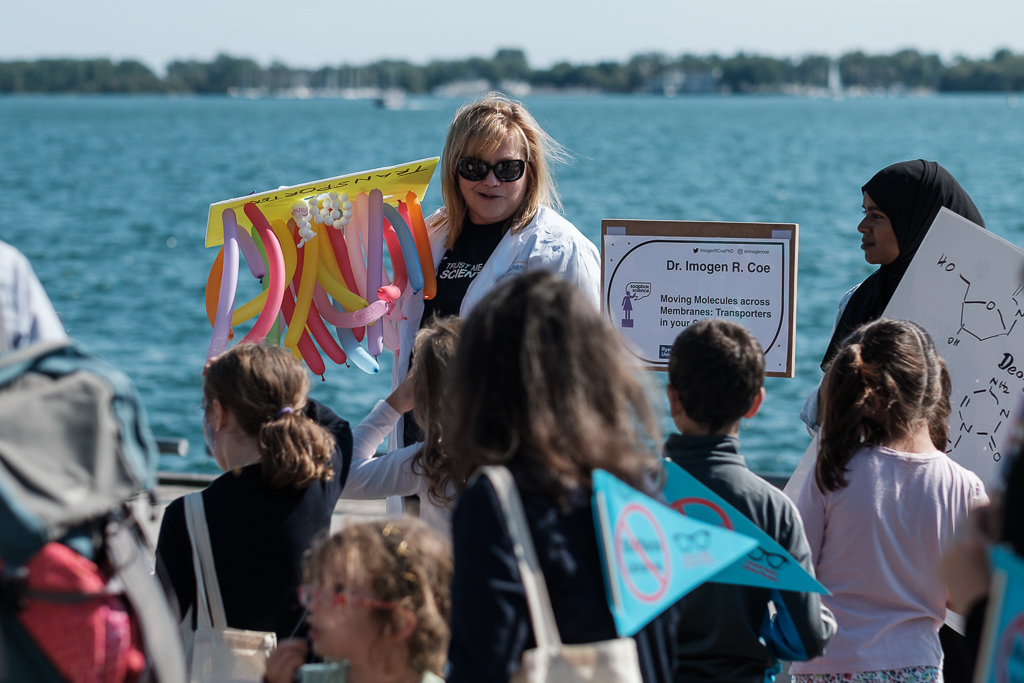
pixel 908 195
pixel 900 203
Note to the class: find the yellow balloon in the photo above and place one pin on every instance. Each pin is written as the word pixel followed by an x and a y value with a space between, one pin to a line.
pixel 304 297
pixel 350 301
pixel 328 258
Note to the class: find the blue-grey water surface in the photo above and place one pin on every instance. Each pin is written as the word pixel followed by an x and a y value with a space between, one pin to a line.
pixel 108 196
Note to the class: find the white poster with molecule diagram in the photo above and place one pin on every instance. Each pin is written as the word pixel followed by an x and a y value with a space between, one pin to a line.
pixel 965 287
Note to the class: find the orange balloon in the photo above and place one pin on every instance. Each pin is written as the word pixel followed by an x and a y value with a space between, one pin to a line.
pixel 213 289
pixel 419 233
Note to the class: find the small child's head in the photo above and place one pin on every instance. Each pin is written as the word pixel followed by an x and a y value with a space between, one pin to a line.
pixel 715 377
pixel 885 382
pixel 378 596
pixel 433 352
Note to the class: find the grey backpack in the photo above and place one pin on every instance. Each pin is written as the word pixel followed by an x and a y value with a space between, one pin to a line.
pixel 75 449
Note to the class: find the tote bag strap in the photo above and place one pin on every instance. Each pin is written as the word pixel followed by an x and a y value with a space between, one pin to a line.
pixel 209 604
pixel 542 616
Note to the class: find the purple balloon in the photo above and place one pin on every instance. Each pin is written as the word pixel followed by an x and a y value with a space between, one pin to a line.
pixel 252 255
pixel 228 283
pixel 374 266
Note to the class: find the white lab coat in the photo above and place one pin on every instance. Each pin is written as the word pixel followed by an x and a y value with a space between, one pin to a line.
pixel 548 242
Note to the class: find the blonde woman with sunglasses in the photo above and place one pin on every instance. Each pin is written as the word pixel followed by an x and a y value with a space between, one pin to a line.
pixel 500 218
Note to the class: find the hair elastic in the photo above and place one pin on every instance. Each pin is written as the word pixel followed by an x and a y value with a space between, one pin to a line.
pixel 286 409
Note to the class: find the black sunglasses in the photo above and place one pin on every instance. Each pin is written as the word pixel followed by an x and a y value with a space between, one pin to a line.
pixel 506 170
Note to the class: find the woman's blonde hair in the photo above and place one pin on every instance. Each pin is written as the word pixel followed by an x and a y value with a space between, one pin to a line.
pixel 403 562
pixel 265 389
pixel 432 356
pixel 478 130
pixel 540 384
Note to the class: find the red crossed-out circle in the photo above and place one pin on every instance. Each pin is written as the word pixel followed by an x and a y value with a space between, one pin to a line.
pixel 1005 650
pixel 663 576
pixel 680 505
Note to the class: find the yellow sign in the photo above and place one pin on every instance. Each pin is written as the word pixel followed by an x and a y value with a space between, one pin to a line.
pixel 394 182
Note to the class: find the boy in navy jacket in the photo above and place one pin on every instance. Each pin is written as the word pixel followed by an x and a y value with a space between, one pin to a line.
pixel 716 373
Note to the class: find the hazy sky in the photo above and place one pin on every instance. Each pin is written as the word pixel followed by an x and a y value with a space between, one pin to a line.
pixel 331 33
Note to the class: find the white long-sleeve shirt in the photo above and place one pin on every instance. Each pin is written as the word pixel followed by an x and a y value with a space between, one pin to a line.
pixel 389 475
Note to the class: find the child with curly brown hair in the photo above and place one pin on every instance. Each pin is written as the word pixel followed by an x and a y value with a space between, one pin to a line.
pixel 378 598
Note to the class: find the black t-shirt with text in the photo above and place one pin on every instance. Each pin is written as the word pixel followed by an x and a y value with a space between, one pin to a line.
pixel 455 273
pixel 459 266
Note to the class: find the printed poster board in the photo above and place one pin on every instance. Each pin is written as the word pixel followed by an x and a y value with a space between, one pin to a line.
pixel 393 181
pixel 964 286
pixel 660 276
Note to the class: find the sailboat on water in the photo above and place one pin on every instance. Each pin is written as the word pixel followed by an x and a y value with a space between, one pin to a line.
pixel 835 81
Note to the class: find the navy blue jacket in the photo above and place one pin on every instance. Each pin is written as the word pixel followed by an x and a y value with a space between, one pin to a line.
pixel 721 634
pixel 490 619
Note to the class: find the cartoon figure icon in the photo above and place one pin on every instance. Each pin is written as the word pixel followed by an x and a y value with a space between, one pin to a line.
pixel 627 309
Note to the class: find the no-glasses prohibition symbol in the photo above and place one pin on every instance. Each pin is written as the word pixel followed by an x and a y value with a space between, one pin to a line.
pixel 680 507
pixel 647 541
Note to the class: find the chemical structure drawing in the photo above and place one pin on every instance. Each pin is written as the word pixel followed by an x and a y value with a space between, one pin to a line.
pixel 980 414
pixel 986 319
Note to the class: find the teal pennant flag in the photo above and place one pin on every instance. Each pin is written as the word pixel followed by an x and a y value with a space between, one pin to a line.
pixel 1001 655
pixel 766 566
pixel 651 554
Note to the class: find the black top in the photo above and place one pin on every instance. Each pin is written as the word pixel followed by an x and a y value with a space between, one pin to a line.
pixel 490 619
pixel 720 625
pixel 910 193
pixel 259 535
pixel 459 266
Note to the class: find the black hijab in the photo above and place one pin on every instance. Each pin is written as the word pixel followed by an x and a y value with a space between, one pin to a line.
pixel 910 193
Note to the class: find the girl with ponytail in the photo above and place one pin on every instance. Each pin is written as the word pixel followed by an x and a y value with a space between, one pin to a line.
pixel 286 458
pixel 883 503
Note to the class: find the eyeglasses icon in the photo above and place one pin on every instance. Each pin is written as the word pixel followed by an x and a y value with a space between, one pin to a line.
pixel 690 543
pixel 773 560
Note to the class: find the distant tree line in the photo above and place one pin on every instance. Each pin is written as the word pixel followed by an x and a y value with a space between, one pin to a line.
pixel 907 69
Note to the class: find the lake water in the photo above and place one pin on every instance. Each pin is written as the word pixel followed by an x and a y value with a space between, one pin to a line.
pixel 108 196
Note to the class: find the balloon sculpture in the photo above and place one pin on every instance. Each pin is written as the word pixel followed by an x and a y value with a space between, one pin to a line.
pixel 324 266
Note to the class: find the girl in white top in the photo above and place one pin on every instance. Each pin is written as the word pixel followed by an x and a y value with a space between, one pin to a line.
pixel 420 469
pixel 882 505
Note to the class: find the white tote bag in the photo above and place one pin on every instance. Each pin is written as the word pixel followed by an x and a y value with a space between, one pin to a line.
pixel 215 653
pixel 607 661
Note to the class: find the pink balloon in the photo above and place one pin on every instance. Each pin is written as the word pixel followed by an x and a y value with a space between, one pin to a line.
pixel 275 264
pixel 388 293
pixel 354 242
pixel 360 318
